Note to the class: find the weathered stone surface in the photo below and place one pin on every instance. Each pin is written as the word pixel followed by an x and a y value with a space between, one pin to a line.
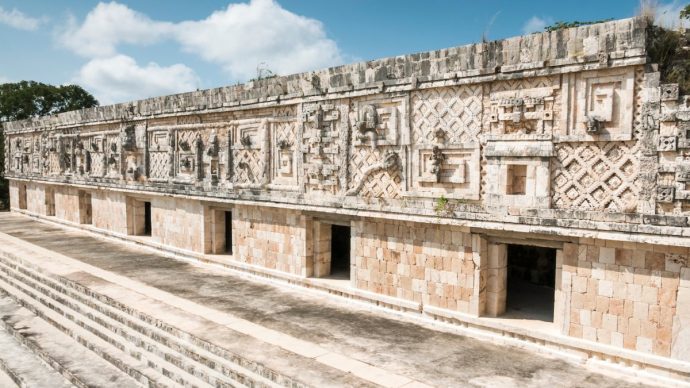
pixel 436 161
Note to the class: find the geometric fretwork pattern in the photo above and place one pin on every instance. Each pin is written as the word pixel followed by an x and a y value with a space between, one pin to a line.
pixel 383 184
pixel 455 110
pixel 285 131
pixel 599 176
pixel 160 164
pixel 97 159
pixel 54 163
pixel 249 166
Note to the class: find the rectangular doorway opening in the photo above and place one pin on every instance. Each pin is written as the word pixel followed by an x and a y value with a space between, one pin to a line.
pixel 147 218
pixel 22 196
pixel 228 233
pixel 139 217
pixel 221 232
pixel 531 282
pixel 50 201
pixel 340 252
pixel 85 209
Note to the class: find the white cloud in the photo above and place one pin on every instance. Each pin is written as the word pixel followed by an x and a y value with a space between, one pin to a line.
pixel 120 78
pixel 237 38
pixel 244 35
pixel 107 26
pixel 536 24
pixel 668 14
pixel 17 19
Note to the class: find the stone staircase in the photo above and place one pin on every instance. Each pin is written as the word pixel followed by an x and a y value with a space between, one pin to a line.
pixel 147 350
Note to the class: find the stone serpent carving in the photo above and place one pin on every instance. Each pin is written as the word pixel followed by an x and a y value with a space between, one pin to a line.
pixel 390 161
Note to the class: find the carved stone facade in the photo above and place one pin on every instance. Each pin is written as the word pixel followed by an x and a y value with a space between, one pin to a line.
pixel 437 162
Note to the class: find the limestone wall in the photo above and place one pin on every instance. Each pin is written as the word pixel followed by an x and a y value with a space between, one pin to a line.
pixel 36 200
pixel 67 204
pixel 274 239
pixel 110 211
pixel 625 296
pixel 179 223
pixel 423 263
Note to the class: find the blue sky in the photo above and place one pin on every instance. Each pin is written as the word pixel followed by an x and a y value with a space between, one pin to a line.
pixel 124 50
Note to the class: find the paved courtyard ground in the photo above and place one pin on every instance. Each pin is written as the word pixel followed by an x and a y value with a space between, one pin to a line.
pixel 430 356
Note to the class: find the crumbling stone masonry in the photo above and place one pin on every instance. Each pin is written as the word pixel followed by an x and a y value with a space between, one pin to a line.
pixel 564 143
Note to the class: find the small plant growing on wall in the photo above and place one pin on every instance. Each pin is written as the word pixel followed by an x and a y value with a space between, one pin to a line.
pixel 444 207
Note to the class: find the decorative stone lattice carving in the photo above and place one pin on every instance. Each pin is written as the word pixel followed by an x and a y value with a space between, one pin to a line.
pixel 186 156
pixel 455 110
pixel 159 155
pixel 113 158
pixel 249 153
pixel 284 141
pixel 249 167
pixel 375 173
pixel 322 130
pixel 596 176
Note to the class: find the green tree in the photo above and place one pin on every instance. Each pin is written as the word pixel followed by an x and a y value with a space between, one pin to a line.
pixel 27 99
pixel 685 12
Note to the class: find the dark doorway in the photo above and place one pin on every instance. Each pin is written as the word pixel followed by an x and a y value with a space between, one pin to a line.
pixel 23 198
pixel 147 218
pixel 228 233
pixel 531 282
pixel 85 208
pixel 50 201
pixel 340 251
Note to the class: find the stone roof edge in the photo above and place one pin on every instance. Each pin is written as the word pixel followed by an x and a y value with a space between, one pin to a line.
pixel 616 39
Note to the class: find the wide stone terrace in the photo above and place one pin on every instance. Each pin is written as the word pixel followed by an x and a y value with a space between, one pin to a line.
pixel 340 335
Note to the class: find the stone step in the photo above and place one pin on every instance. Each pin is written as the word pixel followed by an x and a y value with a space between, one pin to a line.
pixel 36 354
pixel 121 328
pixel 60 306
pixel 137 369
pixel 213 349
pixel 19 366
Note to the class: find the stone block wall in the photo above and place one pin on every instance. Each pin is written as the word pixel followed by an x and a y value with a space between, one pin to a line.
pixel 624 295
pixel 36 198
pixel 178 222
pixel 105 205
pixel 273 238
pixel 67 204
pixel 424 263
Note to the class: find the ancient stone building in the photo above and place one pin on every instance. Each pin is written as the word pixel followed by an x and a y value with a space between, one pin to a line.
pixel 544 178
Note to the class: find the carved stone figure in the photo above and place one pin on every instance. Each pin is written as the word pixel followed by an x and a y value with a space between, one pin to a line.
pixel 128 139
pixel 367 120
pixel 437 159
